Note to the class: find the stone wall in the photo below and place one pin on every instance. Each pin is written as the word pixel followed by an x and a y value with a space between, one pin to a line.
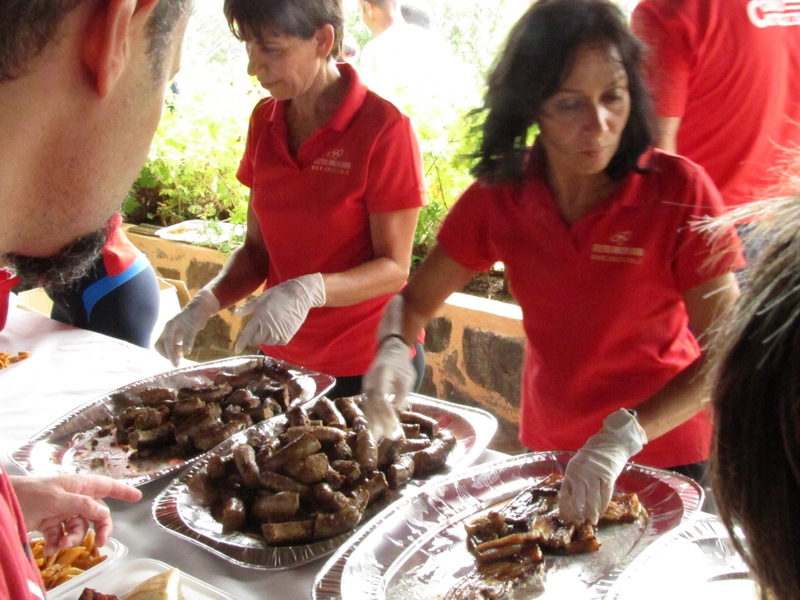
pixel 474 347
pixel 473 355
pixel 195 266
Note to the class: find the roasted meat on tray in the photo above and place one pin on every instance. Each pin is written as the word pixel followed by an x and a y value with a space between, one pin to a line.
pixel 182 423
pixel 509 544
pixel 315 479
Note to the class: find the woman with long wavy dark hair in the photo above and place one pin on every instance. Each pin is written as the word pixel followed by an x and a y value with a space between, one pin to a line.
pixel 594 228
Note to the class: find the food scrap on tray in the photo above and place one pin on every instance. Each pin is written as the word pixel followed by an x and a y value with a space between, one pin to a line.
pixel 315 479
pixel 67 563
pixel 8 358
pixel 509 544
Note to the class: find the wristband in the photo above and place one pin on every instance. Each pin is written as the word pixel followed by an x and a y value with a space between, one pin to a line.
pixel 393 335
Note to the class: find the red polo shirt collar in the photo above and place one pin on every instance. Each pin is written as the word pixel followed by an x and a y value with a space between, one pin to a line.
pixel 352 101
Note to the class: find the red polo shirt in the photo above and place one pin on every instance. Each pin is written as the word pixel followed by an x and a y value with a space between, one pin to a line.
pixel 19 575
pixel 602 299
pixel 730 69
pixel 314 211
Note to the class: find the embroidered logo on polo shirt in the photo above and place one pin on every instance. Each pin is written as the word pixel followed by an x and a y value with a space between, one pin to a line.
pixel 771 13
pixel 332 163
pixel 618 250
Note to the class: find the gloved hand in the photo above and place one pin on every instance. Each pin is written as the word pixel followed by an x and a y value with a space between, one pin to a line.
pixel 179 333
pixel 280 311
pixel 391 376
pixel 589 480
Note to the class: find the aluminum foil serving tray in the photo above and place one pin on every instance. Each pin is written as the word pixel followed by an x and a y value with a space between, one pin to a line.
pixel 416 548
pixel 181 511
pixel 80 441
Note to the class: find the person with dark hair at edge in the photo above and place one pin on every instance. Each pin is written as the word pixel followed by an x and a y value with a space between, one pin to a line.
pixel 336 185
pixel 725 77
pixel 81 92
pixel 756 392
pixel 594 227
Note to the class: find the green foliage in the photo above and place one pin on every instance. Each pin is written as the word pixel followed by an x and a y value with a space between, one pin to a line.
pixel 191 170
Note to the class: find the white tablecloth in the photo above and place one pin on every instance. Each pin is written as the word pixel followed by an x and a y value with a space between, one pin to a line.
pixel 69 367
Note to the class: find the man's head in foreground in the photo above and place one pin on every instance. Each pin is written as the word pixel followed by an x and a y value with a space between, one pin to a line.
pixel 82 87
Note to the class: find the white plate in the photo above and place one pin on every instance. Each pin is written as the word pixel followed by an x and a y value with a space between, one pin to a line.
pixel 703 554
pixel 416 548
pixel 182 513
pixel 114 550
pixel 125 576
pixel 198 230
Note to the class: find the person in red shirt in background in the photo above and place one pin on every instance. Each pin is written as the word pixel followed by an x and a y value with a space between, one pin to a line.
pixel 335 174
pixel 594 227
pixel 725 77
pixel 81 92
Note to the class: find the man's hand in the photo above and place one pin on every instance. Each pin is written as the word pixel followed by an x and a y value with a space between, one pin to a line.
pixel 280 311
pixel 592 472
pixel 179 333
pixel 62 507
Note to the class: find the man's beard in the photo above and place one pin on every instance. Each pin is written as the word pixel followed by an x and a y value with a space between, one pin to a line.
pixel 59 271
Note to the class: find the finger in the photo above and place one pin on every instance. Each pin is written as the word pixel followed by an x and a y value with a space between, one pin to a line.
pixel 188 343
pixel 245 338
pixel 75 530
pixel 97 487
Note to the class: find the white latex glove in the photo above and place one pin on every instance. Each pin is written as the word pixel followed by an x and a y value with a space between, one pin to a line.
pixel 592 472
pixel 179 333
pixel 390 377
pixel 280 311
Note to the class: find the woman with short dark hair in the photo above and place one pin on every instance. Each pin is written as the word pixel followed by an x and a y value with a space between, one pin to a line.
pixel 336 184
pixel 594 228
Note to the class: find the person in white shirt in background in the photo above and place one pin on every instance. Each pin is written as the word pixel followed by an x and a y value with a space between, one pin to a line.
pixel 404 62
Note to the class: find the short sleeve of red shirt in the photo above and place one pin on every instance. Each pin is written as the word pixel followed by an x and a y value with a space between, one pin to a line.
pixel 394 174
pixel 467 234
pixel 704 251
pixel 19 577
pixel 669 54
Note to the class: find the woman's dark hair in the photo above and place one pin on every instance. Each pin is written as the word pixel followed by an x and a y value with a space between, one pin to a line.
pixel 756 396
pixel 249 19
pixel 538 57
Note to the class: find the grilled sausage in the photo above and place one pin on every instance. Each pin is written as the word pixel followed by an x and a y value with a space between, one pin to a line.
pixel 428 425
pixel 245 458
pixel 433 458
pixel 303 446
pixel 309 470
pixel 349 410
pixel 400 472
pixel 275 508
pixel 290 532
pixel 366 451
pixel 328 499
pixel 328 525
pixel 280 483
pixel 329 414
pixel 234 514
pixel 152 438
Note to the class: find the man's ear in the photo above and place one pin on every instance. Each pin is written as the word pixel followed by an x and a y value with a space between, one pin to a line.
pixel 108 36
pixel 325 36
